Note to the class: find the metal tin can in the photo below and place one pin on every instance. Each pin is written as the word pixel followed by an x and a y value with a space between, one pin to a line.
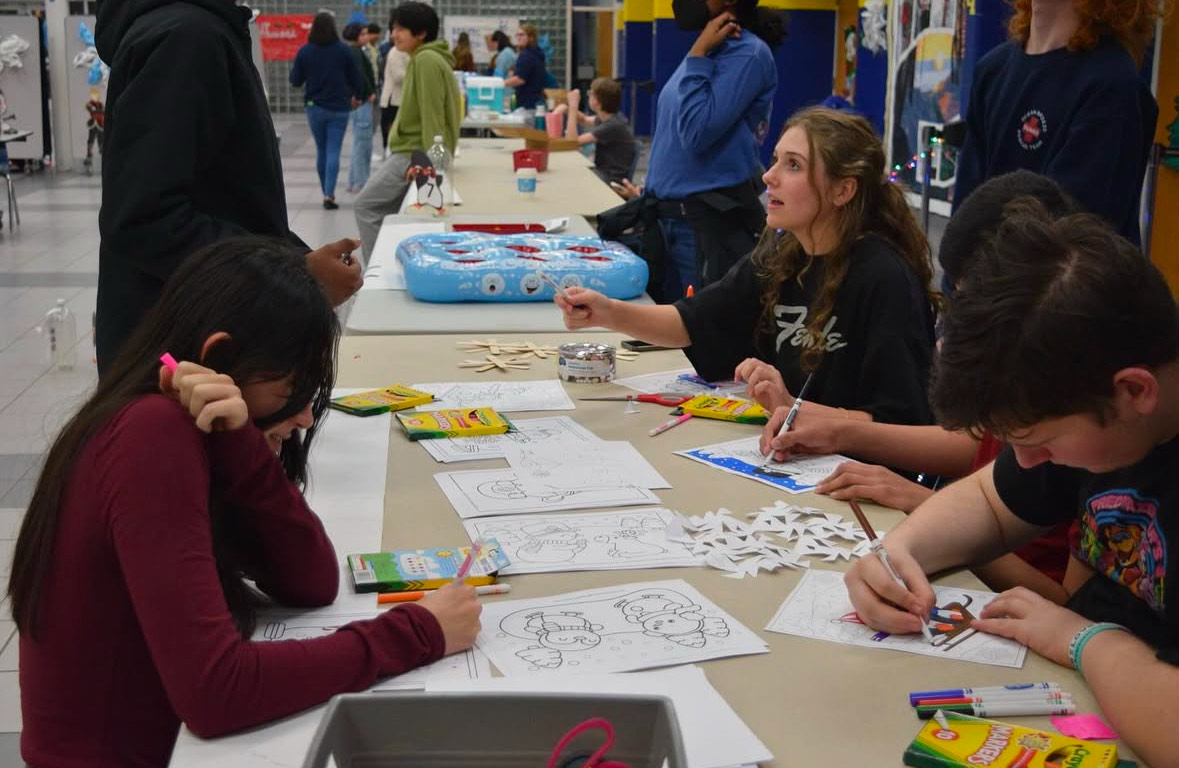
pixel 585 362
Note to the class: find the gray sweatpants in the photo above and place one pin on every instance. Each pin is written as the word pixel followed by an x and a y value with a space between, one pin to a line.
pixel 380 197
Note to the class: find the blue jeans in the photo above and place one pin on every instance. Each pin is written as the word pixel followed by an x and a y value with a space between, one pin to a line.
pixel 679 246
pixel 327 128
pixel 362 146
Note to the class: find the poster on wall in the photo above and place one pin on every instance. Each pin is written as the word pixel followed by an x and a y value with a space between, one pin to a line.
pixel 86 81
pixel 478 28
pixel 927 46
pixel 283 34
pixel 20 85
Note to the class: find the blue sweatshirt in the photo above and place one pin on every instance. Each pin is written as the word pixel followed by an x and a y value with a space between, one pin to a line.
pixel 530 69
pixel 1084 119
pixel 712 116
pixel 331 75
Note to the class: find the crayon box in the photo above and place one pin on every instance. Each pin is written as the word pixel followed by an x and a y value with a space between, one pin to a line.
pixel 392 398
pixel 960 741
pixel 726 408
pixel 456 422
pixel 409 569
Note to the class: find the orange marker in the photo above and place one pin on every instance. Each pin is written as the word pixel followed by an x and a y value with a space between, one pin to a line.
pixel 408 597
pixel 690 292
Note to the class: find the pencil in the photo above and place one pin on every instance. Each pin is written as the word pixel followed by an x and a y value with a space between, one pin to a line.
pixel 789 422
pixel 879 550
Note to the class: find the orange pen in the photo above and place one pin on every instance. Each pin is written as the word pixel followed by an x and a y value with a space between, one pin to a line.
pixel 408 597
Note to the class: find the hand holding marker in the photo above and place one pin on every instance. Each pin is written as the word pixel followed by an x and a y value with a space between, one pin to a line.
pixel 791 416
pixel 473 554
pixel 879 550
pixel 557 287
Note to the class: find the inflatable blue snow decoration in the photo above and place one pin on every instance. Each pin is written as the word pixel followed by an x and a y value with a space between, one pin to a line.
pixel 472 266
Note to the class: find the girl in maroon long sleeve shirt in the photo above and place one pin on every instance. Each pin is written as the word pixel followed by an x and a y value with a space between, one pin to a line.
pixel 160 496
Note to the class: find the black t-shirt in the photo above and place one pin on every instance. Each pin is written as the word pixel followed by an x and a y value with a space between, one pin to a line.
pixel 1123 535
pixel 614 148
pixel 879 337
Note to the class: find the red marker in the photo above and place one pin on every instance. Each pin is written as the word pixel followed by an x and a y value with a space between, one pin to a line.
pixel 690 292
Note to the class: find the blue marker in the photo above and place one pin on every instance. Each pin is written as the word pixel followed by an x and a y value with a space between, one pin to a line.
pixel 953 693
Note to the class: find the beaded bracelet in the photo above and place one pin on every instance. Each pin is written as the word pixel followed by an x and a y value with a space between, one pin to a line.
pixel 1077 646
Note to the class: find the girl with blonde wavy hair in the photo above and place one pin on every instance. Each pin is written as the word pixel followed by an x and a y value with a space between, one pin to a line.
pixel 838 286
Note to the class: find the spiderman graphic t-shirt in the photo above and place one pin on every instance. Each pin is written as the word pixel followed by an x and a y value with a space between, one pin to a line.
pixel 1122 533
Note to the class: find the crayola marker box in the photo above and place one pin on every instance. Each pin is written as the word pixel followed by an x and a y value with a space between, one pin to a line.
pixel 454 422
pixel 410 569
pixel 727 409
pixel 967 741
pixel 396 397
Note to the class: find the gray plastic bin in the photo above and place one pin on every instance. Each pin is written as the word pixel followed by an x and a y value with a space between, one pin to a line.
pixel 490 730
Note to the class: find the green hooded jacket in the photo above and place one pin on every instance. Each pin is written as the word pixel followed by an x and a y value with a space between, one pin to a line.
pixel 430 101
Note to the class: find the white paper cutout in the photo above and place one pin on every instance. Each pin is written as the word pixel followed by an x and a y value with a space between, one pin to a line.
pixel 798 474
pixel 873 24
pixel 479 493
pixel 819 608
pixel 594 541
pixel 545 430
pixel 613 629
pixel 12 48
pixel 774 537
pixel 503 396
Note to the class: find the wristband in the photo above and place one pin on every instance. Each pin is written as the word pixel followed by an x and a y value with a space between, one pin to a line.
pixel 1077 646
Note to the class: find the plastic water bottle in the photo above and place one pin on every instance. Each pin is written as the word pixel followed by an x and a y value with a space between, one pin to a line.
pixel 540 118
pixel 440 158
pixel 61 329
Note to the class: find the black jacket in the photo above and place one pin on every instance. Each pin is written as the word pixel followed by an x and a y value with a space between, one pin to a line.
pixel 189 153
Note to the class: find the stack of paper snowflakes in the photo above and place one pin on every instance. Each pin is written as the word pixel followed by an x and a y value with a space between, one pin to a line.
pixel 778 536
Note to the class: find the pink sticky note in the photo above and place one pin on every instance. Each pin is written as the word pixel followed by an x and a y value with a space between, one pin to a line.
pixel 1084 727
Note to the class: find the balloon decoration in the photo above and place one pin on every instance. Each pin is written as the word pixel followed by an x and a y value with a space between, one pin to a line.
pixel 88 57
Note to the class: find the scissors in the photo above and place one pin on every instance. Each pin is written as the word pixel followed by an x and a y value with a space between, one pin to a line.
pixel 669 399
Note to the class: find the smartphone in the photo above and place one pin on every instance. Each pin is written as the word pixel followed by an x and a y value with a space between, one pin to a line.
pixel 634 345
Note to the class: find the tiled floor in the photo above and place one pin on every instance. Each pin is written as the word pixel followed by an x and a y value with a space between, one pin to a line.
pixel 54 255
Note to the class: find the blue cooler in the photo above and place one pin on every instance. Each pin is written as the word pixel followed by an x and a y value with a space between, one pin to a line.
pixel 485 93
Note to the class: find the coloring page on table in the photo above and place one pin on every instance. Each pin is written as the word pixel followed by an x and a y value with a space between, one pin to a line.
pixel 636 538
pixel 503 396
pixel 614 629
pixel 675 382
pixel 544 431
pixel 798 474
pixel 298 625
pixel 478 493
pixel 819 608
pixel 599 464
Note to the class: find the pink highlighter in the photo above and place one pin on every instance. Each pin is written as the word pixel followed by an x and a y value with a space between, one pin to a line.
pixel 169 361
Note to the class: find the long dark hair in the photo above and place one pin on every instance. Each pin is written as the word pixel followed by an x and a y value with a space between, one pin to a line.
pixel 502 40
pixel 323 29
pixel 280 325
pixel 850 149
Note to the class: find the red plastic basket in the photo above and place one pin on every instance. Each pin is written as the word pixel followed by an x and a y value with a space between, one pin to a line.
pixel 530 158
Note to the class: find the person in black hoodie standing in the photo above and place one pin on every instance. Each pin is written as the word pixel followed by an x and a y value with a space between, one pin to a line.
pixel 189 155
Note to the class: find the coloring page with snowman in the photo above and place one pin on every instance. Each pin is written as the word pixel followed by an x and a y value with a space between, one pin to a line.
pixel 612 629
pixel 594 541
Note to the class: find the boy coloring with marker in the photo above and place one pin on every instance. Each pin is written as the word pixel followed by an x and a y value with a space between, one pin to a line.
pixel 1066 346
